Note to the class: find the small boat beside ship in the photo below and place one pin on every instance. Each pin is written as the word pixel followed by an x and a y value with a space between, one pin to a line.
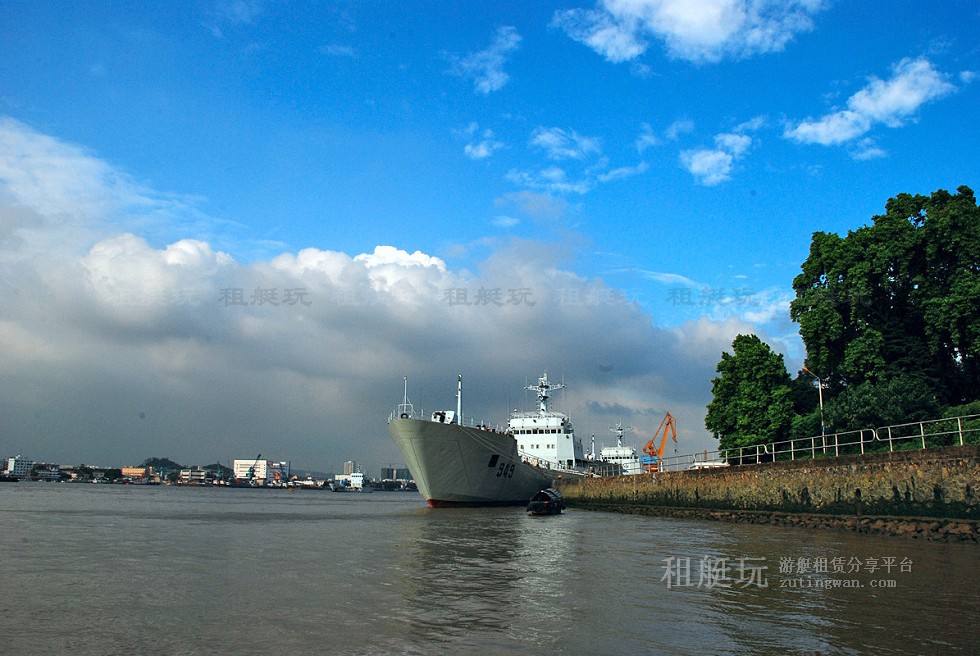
pixel 548 501
pixel 479 465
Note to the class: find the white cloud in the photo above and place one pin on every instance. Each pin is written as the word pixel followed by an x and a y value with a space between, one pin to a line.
pixel 677 128
pixel 385 255
pixel 486 67
pixel 669 278
pixel 712 166
pixel 483 147
pixel 583 164
pixel 616 40
pixel 736 144
pixel 623 172
pixel 646 139
pixel 867 149
pixel 560 144
pixel 703 31
pixel 553 179
pixel 504 221
pixel 892 102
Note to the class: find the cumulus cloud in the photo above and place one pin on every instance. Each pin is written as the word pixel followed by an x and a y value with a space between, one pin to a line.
pixel 712 166
pixel 891 102
pixel 482 143
pixel 118 349
pixel 704 31
pixel 486 67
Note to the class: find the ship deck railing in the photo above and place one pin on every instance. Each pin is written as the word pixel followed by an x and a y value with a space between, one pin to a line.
pixel 407 411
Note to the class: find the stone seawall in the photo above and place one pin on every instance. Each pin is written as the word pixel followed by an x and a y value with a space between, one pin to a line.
pixel 933 494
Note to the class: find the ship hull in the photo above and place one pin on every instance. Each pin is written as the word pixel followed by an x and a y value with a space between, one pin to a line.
pixel 461 466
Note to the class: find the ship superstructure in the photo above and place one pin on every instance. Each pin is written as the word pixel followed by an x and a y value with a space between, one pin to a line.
pixel 622 455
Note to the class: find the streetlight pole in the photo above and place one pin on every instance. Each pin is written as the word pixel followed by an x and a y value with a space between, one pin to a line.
pixel 823 426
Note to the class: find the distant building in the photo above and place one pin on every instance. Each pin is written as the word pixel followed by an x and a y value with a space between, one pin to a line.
pixel 193 476
pixel 137 472
pixel 263 472
pixel 395 474
pixel 47 472
pixel 350 467
pixel 18 466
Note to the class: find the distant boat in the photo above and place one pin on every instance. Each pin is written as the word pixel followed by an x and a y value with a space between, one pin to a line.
pixel 8 478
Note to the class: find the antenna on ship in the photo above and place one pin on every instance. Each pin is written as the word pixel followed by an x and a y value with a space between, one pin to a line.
pixel 618 430
pixel 542 389
pixel 459 400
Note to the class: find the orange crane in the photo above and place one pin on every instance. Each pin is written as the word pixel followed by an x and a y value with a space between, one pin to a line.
pixel 651 462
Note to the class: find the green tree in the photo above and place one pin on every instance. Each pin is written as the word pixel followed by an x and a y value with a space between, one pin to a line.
pixel 158 464
pixel 752 398
pixel 901 400
pixel 900 297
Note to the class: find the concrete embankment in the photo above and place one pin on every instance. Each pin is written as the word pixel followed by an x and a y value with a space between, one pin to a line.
pixel 932 494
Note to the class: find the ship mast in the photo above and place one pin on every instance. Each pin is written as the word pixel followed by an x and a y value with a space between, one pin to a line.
pixel 542 389
pixel 459 400
pixel 618 431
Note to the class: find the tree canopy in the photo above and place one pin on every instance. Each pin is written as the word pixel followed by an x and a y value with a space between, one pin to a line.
pixel 899 297
pixel 752 397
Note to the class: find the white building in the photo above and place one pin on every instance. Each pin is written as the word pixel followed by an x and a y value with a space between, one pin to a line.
pixel 18 466
pixel 263 472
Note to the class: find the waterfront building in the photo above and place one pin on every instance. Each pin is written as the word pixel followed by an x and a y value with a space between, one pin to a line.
pixel 193 476
pixel 18 466
pixel 262 472
pixel 395 474
pixel 137 472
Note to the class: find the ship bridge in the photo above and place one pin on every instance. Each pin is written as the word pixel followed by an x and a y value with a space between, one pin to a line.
pixel 543 437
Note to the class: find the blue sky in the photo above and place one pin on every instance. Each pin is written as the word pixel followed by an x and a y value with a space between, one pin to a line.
pixel 649 171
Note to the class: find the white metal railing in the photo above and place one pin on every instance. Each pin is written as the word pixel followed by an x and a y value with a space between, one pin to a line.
pixel 407 411
pixel 915 435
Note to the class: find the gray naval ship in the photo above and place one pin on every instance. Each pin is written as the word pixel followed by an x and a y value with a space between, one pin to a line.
pixel 479 465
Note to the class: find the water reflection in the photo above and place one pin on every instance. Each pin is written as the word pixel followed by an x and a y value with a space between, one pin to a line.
pixel 486 576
